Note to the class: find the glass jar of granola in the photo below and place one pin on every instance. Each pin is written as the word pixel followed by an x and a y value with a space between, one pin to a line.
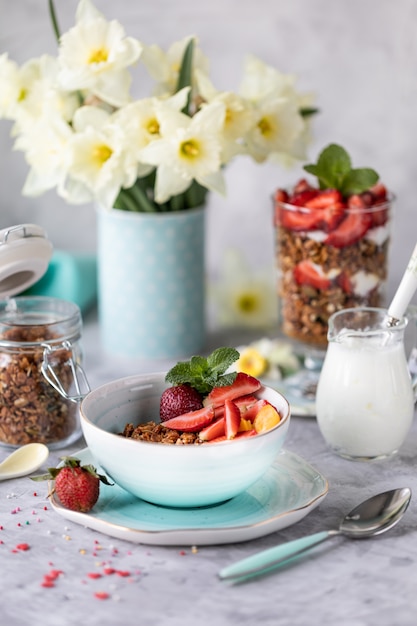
pixel 331 254
pixel 41 375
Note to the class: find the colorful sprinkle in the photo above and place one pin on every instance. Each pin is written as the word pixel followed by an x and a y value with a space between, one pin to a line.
pixel 109 570
pixel 101 595
pixel 23 546
pixel 94 575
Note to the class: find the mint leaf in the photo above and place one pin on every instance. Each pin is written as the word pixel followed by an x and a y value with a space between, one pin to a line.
pixel 205 373
pixel 221 359
pixel 359 180
pixel 334 171
pixel 332 166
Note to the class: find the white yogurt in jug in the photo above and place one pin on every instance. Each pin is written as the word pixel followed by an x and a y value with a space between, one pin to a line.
pixel 364 399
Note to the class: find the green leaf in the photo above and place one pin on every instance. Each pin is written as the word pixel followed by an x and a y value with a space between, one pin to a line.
pixel 308 111
pixel 186 73
pixel 205 373
pixel 359 180
pixel 221 359
pixel 334 171
pixel 179 374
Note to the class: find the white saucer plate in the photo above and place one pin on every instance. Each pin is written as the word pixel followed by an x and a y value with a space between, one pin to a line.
pixel 287 492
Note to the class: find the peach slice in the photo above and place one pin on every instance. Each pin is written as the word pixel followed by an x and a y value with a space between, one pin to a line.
pixel 266 418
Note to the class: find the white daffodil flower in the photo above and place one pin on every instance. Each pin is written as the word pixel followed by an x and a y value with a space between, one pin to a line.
pixel 238 119
pixel 164 67
pixel 189 148
pixel 31 92
pixel 46 150
pixel 95 159
pixel 278 125
pixel 11 87
pixel 94 55
pixel 261 81
pixel 82 132
pixel 139 124
pixel 244 297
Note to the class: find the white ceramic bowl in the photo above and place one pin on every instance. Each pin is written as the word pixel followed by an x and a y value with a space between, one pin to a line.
pixel 171 475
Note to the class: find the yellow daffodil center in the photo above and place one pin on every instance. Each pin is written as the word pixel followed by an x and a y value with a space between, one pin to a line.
pixel 247 302
pixel 228 117
pixel 252 362
pixel 265 126
pixel 98 56
pixel 101 154
pixel 22 95
pixel 190 149
pixel 153 126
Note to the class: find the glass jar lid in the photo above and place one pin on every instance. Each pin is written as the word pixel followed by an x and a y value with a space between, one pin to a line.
pixel 25 252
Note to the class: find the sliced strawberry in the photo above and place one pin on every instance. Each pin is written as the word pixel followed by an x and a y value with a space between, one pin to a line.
pixel 304 197
pixel 324 199
pixel 242 385
pixel 191 422
pixel 301 186
pixel 252 412
pixel 379 192
pixel 292 218
pixel 246 433
pixel 331 216
pixel 218 411
pixel 380 216
pixel 231 418
pixel 343 280
pixel 245 402
pixel 241 435
pixel 213 430
pixel 281 195
pixel 307 273
pixel 296 219
pixel 355 225
pixel 379 195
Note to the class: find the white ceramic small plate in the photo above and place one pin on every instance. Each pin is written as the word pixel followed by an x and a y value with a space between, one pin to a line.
pixel 287 492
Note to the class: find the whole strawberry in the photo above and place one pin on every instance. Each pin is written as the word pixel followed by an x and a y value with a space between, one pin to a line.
pixel 178 400
pixel 77 486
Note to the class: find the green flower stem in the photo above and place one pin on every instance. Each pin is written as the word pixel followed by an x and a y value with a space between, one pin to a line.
pixel 141 198
pixel 134 199
pixel 54 20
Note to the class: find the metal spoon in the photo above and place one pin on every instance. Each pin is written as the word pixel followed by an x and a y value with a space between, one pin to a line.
pixel 23 461
pixel 372 517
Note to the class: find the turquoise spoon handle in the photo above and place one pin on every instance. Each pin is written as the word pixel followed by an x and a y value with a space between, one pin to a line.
pixel 273 557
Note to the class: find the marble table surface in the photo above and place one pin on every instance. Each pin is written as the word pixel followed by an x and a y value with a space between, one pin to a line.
pixel 70 574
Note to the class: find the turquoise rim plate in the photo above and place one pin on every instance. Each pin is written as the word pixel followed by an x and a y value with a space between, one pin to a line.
pixel 286 493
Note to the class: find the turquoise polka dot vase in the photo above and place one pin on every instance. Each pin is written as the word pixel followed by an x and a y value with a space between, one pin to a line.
pixel 151 282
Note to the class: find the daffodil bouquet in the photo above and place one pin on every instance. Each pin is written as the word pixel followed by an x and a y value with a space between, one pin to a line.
pixel 83 133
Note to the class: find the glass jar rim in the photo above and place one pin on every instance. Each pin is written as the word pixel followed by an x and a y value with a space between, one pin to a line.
pixel 62 318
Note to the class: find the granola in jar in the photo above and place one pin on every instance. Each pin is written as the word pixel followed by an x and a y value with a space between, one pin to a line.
pixel 31 408
pixel 331 254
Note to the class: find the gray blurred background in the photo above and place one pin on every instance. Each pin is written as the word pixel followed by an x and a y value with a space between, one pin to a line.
pixel 358 56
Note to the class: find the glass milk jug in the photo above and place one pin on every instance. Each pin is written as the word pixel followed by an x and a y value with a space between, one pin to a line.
pixel 365 395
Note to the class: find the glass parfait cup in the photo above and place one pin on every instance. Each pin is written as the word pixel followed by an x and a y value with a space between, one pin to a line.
pixel 331 254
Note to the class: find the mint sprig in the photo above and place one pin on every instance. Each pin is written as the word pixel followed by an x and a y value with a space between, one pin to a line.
pixel 205 373
pixel 334 171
